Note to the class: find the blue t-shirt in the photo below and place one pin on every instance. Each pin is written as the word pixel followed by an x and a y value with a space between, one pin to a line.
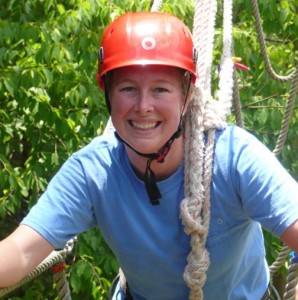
pixel 250 189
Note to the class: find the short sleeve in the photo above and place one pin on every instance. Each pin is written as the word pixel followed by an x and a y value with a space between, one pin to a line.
pixel 268 192
pixel 65 209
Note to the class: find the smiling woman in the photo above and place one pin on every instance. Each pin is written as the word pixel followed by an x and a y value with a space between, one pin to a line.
pixel 147 107
pixel 145 91
pixel 134 183
pixel 147 95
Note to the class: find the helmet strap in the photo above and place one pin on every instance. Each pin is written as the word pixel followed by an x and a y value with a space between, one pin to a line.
pixel 108 104
pixel 149 175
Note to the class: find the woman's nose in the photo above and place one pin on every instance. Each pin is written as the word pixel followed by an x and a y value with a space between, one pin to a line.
pixel 144 103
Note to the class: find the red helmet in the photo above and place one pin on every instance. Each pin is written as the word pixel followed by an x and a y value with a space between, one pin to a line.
pixel 143 38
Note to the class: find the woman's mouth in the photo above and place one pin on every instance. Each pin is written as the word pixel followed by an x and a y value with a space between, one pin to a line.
pixel 144 126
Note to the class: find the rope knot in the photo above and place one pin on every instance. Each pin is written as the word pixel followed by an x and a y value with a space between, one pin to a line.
pixel 190 213
pixel 195 272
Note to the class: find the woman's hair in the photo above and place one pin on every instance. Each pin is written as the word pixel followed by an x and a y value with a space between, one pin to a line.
pixel 185 81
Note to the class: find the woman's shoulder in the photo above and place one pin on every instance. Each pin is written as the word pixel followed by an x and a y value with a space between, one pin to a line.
pixel 105 143
pixel 234 143
pixel 235 133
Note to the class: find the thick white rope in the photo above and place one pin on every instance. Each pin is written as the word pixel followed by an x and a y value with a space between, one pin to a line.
pixel 203 37
pixel 204 117
pixel 192 213
pixel 236 102
pixel 226 82
pixel 191 208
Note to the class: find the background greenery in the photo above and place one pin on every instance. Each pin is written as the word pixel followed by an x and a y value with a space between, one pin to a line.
pixel 50 105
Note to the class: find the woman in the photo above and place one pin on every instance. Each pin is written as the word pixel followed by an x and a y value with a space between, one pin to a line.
pixel 131 183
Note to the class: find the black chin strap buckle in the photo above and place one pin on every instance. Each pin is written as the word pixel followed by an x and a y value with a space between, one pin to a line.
pixel 150 184
pixel 149 176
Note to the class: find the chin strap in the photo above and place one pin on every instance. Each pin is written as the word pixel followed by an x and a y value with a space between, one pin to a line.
pixel 149 175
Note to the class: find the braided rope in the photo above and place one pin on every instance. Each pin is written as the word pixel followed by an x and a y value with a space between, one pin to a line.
pixel 203 37
pixel 292 282
pixel 236 102
pixel 292 276
pixel 62 285
pixel 282 256
pixel 261 38
pixel 54 258
pixel 156 5
pixel 287 116
pixel 192 205
pixel 226 81
pixel 204 116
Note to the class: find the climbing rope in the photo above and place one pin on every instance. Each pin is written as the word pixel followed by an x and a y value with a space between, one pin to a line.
pixel 287 116
pixel 196 224
pixel 236 102
pixel 205 116
pixel 292 282
pixel 54 259
pixel 263 46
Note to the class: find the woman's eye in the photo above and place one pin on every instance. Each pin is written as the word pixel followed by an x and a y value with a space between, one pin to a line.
pixel 160 90
pixel 128 89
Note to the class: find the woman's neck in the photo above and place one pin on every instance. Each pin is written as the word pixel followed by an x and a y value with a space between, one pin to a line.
pixel 161 170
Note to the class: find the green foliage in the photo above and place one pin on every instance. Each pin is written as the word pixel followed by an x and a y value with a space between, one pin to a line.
pixel 263 99
pixel 95 268
pixel 51 105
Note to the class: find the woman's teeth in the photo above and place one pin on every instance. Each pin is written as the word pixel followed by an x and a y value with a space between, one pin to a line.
pixel 144 126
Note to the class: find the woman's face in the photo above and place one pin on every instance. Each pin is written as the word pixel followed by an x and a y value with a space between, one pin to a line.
pixel 146 103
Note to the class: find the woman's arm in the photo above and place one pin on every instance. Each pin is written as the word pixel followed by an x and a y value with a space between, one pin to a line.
pixel 20 253
pixel 290 236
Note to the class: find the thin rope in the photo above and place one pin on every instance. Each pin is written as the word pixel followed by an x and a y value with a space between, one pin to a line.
pixel 292 282
pixel 54 258
pixel 283 254
pixel 263 46
pixel 287 116
pixel 237 102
